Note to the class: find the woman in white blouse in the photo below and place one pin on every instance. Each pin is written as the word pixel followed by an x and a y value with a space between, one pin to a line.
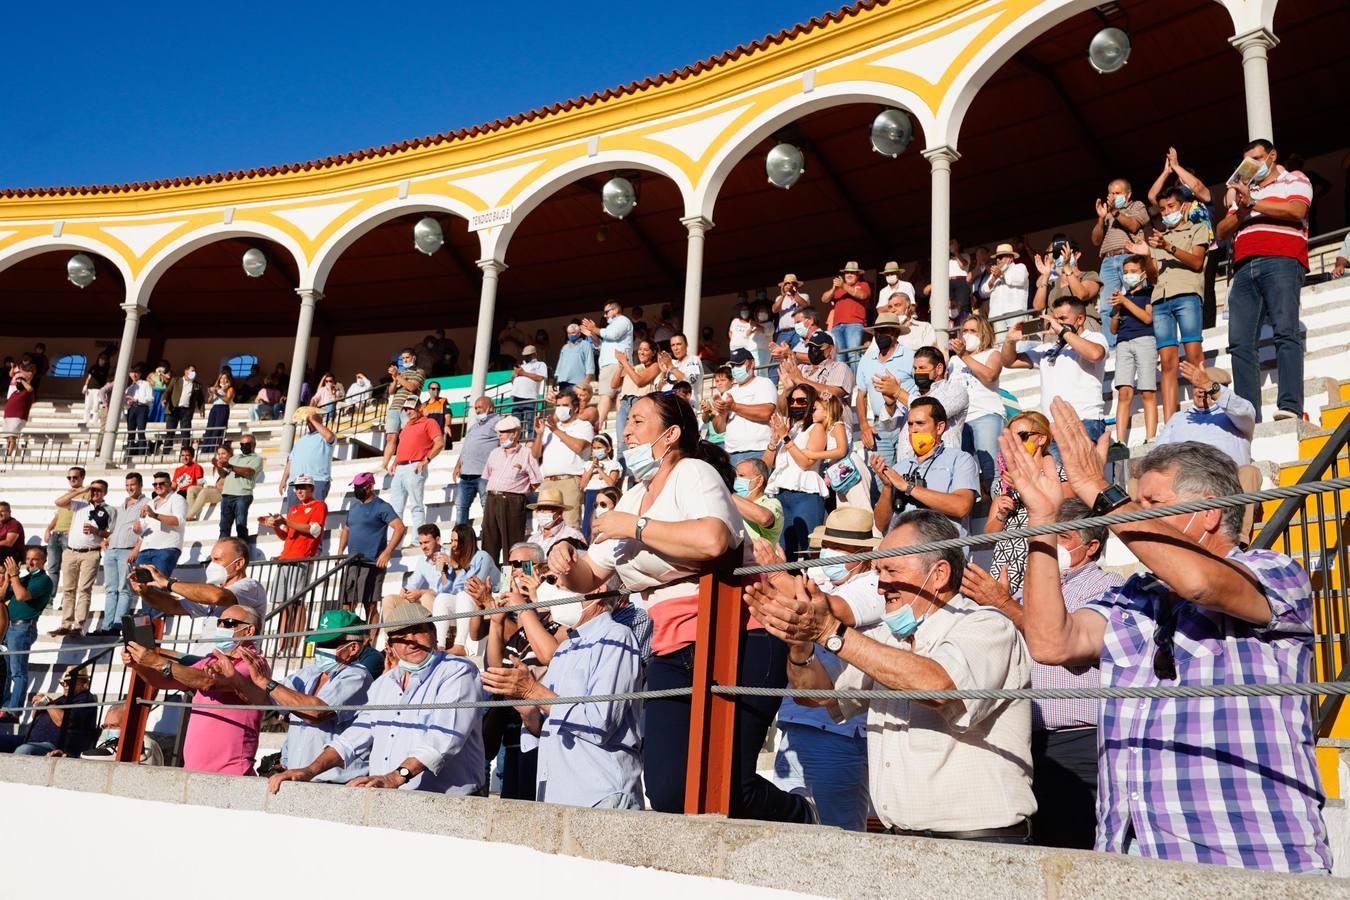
pixel 806 434
pixel 675 525
pixel 976 363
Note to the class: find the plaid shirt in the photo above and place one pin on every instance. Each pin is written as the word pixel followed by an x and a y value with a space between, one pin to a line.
pixel 1081 586
pixel 1223 780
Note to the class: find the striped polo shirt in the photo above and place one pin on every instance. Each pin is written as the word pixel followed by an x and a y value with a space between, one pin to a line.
pixel 1265 236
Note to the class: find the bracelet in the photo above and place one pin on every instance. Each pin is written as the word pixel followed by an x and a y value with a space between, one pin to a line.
pixel 806 662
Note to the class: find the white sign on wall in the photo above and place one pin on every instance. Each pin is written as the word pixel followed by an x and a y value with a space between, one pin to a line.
pixel 490 218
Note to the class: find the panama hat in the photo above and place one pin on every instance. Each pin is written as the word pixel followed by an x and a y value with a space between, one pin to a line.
pixel 892 268
pixel 850 526
pixel 548 497
pixel 1004 250
pixel 851 266
pixel 884 320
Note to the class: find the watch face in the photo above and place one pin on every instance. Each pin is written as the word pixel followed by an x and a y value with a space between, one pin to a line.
pixel 834 643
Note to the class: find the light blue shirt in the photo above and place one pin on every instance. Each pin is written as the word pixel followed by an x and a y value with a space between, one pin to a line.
pixel 427 575
pixel 576 360
pixel 305 740
pixel 616 336
pixel 1227 425
pixel 479 440
pixel 946 470
pixel 481 567
pixel 589 752
pixel 448 742
pixel 900 364
pixel 312 456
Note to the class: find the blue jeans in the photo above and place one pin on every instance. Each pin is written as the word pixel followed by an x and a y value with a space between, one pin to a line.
pixel 234 511
pixel 1112 272
pixel 18 639
pixel 847 336
pixel 1177 320
pixel 14 743
pixel 407 488
pixel 803 512
pixel 1266 289
pixel 137 416
pixel 56 548
pixel 117 596
pixel 831 766
pixel 983 434
pixel 164 560
pixel 469 487
pixel 524 411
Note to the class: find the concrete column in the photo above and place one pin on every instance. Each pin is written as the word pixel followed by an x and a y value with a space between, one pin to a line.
pixel 299 359
pixel 487 312
pixel 1254 46
pixel 939 301
pixel 125 351
pixel 693 279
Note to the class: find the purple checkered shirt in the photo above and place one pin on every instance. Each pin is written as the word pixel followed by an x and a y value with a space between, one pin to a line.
pixel 1082 585
pixel 1224 780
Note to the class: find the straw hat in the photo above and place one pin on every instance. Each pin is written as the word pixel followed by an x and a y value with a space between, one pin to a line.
pixel 304 413
pixel 892 268
pixel 549 497
pixel 849 526
pixel 851 266
pixel 1004 250
pixel 789 278
pixel 884 320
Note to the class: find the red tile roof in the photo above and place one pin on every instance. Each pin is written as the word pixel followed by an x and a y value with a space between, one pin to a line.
pixel 765 43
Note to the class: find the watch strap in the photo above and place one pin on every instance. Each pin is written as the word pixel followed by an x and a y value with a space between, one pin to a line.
pixel 1112 498
pixel 272 685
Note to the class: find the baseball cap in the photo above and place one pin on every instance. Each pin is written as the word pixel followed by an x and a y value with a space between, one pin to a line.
pixel 335 624
pixel 363 478
pixel 821 337
pixel 739 356
pixel 302 481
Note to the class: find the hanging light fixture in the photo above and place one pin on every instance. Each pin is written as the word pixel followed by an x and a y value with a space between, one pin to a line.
pixel 255 262
pixel 892 131
pixel 1109 50
pixel 618 197
pixel 428 236
pixel 784 165
pixel 80 271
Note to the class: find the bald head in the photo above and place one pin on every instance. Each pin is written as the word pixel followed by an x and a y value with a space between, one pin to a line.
pixel 242 614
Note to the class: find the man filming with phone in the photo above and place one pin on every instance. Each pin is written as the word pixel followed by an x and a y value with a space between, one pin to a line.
pixel 1060 277
pixel 1071 359
pixel 227 584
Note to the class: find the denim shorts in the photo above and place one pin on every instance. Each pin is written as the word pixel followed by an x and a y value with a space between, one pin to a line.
pixel 1179 313
pixel 393 419
pixel 1137 363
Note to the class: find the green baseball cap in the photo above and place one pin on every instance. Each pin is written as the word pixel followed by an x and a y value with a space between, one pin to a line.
pixel 335 624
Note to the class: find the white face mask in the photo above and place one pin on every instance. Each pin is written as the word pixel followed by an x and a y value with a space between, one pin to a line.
pixel 190 376
pixel 216 574
pixel 564 413
pixel 1065 557
pixel 565 614
pixel 892 279
pixel 762 316
pixel 972 341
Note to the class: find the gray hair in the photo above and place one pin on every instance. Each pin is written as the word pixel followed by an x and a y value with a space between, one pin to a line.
pixel 1199 470
pixel 536 552
pixel 760 466
pixel 934 526
pixel 239 546
pixel 1074 508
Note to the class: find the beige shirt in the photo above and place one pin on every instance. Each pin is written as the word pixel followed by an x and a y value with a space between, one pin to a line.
pixel 963 765
pixel 1174 279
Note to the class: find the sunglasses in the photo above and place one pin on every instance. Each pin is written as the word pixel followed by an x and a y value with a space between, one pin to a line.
pixel 1164 636
pixel 74 478
pixel 1024 436
pixel 232 623
pixel 798 401
pixel 161 484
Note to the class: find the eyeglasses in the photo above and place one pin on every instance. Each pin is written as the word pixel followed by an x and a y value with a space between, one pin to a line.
pixel 232 623
pixel 798 401
pixel 1025 436
pixel 1164 637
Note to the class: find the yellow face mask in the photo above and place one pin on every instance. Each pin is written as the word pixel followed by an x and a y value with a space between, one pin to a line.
pixel 1031 446
pixel 922 443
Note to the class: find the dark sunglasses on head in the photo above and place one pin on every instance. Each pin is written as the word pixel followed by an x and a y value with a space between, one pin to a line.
pixel 232 623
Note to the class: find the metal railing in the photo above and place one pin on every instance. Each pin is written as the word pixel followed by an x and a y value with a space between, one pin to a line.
pixel 304 591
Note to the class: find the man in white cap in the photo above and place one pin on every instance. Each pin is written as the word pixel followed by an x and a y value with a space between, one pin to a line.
pixel 1006 287
pixel 312 456
pixel 527 386
pixel 895 284
pixel 435 750
pixel 549 523
pixel 511 473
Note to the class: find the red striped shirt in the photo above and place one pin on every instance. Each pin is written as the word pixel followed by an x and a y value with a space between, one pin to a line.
pixel 1266 236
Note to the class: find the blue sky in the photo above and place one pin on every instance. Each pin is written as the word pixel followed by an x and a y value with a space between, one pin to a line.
pixel 88 95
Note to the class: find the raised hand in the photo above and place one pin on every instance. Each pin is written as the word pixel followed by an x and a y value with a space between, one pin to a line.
pixel 1082 460
pixel 1101 209
pixel 980 586
pixel 1198 376
pixel 1139 248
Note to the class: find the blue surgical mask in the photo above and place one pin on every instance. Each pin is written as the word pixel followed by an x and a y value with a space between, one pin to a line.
pixel 902 622
pixel 741 486
pixel 416 667
pixel 800 328
pixel 573 338
pixel 225 639
pixel 641 463
pixel 1132 279
pixel 1261 173
pixel 1171 220
pixel 1121 201
pixel 739 374
pixel 325 660
pixel 837 573
pixel 402 366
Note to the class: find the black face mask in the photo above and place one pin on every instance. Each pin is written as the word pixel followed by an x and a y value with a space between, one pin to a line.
pixel 796 413
pixel 815 355
pixel 923 382
pixel 361 493
pixel 885 342
pixel 246 449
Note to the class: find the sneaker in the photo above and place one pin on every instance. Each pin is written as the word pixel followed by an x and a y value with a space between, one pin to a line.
pixel 1281 414
pixel 105 750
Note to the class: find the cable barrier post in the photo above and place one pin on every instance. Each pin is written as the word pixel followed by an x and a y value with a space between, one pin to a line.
pixel 135 714
pixel 712 717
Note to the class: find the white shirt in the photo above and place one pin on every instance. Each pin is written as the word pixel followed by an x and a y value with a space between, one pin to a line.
pixel 743 434
pixel 791 303
pixel 689 369
pixel 524 388
pixel 900 287
pixel 1009 292
pixel 76 539
pixel 597 483
pixel 984 401
pixel 1070 377
pixel 155 535
pixel 787 475
pixel 742 337
pixel 185 395
pixel 248 592
pixel 861 594
pixel 558 458
pixel 918 334
pixel 141 392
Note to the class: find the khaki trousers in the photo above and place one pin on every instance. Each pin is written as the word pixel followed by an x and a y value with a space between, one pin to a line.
pixel 571 494
pixel 79 568
pixel 198 496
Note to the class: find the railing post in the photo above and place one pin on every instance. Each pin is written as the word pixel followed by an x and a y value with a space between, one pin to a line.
pixel 134 713
pixel 712 717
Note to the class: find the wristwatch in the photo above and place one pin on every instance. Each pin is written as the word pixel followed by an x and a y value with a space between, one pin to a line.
pixel 172 581
pixel 641 525
pixel 835 642
pixel 272 685
pixel 1110 499
pixel 406 773
pixel 167 669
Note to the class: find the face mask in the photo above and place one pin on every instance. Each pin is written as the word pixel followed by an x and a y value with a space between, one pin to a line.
pixel 528 359
pixel 762 316
pixel 815 355
pixel 225 640
pixel 564 413
pixel 508 443
pixel 796 413
pixel 739 374
pixel 190 376
pixel 109 734
pixel 1031 446
pixel 741 486
pixel 550 523
pixel 837 573
pixel 325 660
pixel 922 443
pixel 1171 219
pixel 744 314
pixel 972 341
pixel 1120 201
pixel 402 366
pixel 361 493
pixel 1065 557
pixel 884 342
pixel 246 449
pixel 1261 173
pixel 416 667
pixel 641 462
pixel 216 574
pixel 1132 279
pixel 892 279
pixel 800 328
pixel 573 338
pixel 902 622
pixel 600 453
pixel 923 382
pixel 482 416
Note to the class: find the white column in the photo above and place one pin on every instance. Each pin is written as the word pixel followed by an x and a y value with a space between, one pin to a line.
pixel 693 280
pixel 1254 46
pixel 125 351
pixel 299 360
pixel 487 311
pixel 939 301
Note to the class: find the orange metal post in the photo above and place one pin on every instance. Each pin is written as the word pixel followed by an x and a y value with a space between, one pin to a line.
pixel 134 713
pixel 712 717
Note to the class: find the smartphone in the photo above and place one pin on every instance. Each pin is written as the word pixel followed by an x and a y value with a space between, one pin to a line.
pixel 1033 326
pixel 527 567
pixel 142 574
pixel 138 630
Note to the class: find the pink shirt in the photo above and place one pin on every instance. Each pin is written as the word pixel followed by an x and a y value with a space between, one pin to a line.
pixel 222 741
pixel 512 471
